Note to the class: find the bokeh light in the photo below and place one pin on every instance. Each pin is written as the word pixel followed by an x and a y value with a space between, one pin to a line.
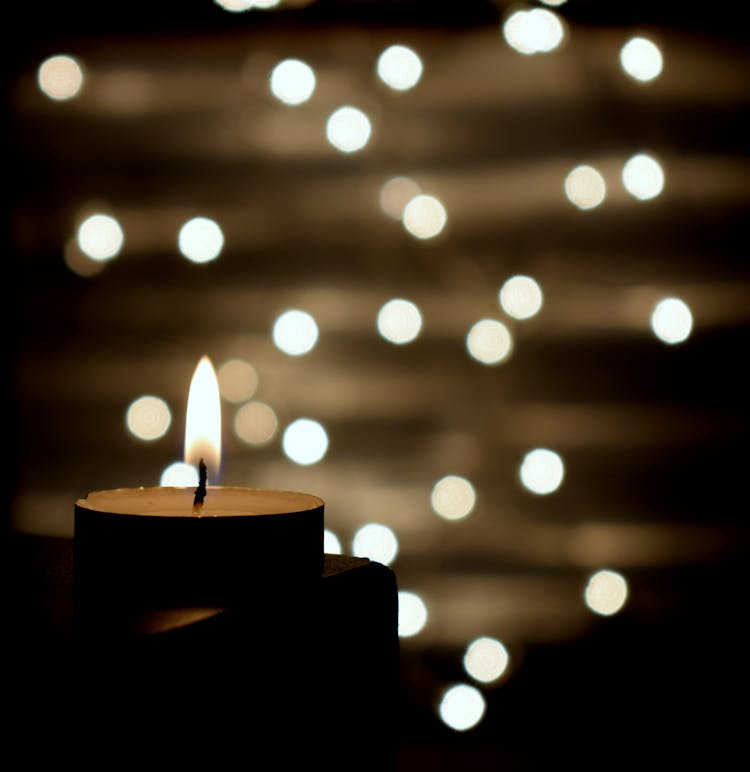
pixel 642 59
pixel 399 321
pixel 295 332
pixel 424 216
pixel 238 6
pixel 395 194
pixel 60 77
pixel 376 542
pixel 585 187
pixel 412 614
pixel 348 129
pixel 672 320
pixel 462 707
pixel 533 31
pixel 520 297
pixel 542 471
pixel 100 237
pixel 148 417
pixel 292 81
pixel 79 262
pixel 179 475
pixel 453 497
pixel 486 659
pixel 331 543
pixel 255 423
pixel 200 240
pixel 606 592
pixel 399 67
pixel 305 441
pixel 643 177
pixel 489 341
pixel 238 380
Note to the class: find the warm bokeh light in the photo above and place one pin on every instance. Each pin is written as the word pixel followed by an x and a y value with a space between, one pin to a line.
pixel 533 31
pixel 489 341
pixel 642 59
pixel 643 177
pixel 295 332
pixel 292 81
pixel 179 475
pixel 542 471
pixel 672 320
pixel 412 614
pixel 255 423
pixel 238 380
pixel 100 237
pixel 60 77
pixel 486 659
pixel 148 417
pixel 81 263
pixel 399 321
pixel 606 592
pixel 331 543
pixel 585 187
pixel 305 441
pixel 424 216
pixel 520 297
pixel 399 67
pixel 377 542
pixel 453 497
pixel 462 707
pixel 348 129
pixel 395 194
pixel 201 240
pixel 203 421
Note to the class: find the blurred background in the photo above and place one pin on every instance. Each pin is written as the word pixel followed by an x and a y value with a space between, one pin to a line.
pixel 474 273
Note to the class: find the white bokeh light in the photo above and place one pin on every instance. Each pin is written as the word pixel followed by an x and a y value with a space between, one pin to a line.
pixel 376 542
pixel 542 471
pixel 100 237
pixel 412 614
pixel 399 321
pixel 672 321
pixel 292 81
pixel 643 177
pixel 60 77
pixel 489 342
pixel 348 129
pixel 305 441
pixel 533 31
pixel 424 217
pixel 642 59
pixel 453 497
pixel 200 240
pixel 238 380
pixel 520 297
pixel 486 659
pixel 179 475
pixel 148 417
pixel 606 592
pixel 331 543
pixel 585 187
pixel 399 67
pixel 295 332
pixel 462 707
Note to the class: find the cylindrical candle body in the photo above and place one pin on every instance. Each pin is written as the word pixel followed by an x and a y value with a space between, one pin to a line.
pixel 143 548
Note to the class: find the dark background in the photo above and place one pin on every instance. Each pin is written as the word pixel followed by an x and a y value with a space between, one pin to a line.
pixel 654 437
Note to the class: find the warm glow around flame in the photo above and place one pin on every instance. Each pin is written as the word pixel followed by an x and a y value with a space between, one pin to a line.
pixel 203 421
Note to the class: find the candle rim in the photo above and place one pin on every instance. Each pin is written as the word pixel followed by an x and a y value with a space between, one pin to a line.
pixel 107 501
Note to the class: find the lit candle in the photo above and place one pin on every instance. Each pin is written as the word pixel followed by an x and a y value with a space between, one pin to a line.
pixel 168 547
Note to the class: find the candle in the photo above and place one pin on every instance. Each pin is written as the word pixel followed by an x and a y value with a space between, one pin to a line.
pixel 166 547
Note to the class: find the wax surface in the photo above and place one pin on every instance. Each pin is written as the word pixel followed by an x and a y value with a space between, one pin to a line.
pixel 178 502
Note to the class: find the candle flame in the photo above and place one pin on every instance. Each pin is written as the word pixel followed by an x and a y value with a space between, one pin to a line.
pixel 203 420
